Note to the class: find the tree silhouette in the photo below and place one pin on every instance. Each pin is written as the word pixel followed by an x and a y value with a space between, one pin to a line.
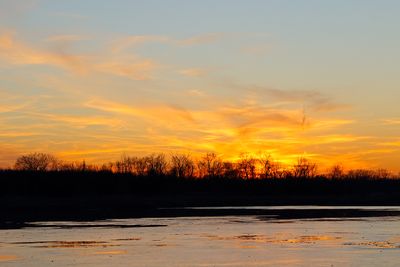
pixel 182 166
pixel 36 162
pixel 156 165
pixel 304 169
pixel 336 172
pixel 267 166
pixel 247 166
pixel 210 166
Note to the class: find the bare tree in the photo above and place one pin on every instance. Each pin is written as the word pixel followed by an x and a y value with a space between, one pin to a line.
pixel 106 167
pixel 156 165
pixel 210 165
pixel 268 166
pixel 277 171
pixel 182 166
pixel 247 166
pixel 369 174
pixel 304 169
pixel 36 162
pixel 139 166
pixel 383 174
pixel 125 165
pixel 360 174
pixel 230 170
pixel 336 172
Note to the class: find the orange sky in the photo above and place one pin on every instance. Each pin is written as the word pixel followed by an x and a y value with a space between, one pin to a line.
pixel 84 81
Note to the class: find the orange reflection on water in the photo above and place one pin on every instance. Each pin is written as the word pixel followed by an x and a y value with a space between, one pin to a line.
pixel 305 239
pixel 111 252
pixel 75 244
pixel 7 257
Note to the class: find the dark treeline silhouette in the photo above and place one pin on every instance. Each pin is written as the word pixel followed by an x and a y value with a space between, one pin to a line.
pixel 40 173
pixel 42 187
pixel 208 166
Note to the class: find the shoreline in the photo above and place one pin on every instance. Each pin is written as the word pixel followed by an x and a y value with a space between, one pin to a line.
pixel 20 211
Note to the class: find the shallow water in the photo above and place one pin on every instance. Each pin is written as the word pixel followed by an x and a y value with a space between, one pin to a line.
pixel 207 241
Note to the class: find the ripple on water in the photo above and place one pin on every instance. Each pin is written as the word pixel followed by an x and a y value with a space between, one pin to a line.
pixel 374 244
pixel 66 244
pixel 304 239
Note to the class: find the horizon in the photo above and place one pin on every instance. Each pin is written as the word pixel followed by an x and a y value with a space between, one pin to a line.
pixel 93 81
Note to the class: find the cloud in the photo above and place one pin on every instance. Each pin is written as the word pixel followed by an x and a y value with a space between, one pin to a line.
pixel 15 52
pixel 192 72
pixel 17 134
pixel 165 114
pixel 102 124
pixel 308 99
pixel 316 99
pixel 137 69
pixel 65 38
pixel 392 143
pixel 201 39
pixel 136 40
pixel 245 116
pixel 82 121
pixel 9 108
pixel 150 127
pixel 195 92
pixel 391 121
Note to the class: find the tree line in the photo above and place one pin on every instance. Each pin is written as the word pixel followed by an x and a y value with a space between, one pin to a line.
pixel 209 165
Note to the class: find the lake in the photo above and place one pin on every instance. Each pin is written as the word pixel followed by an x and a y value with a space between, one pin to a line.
pixel 245 240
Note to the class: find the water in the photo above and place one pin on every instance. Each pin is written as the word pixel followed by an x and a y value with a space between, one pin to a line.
pixel 206 241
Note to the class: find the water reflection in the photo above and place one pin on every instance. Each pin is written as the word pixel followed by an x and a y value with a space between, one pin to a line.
pixel 7 258
pixel 110 252
pixel 376 244
pixel 205 241
pixel 265 239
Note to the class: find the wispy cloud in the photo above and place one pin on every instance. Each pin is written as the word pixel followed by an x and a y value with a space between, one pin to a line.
pixel 135 40
pixel 137 69
pixel 104 116
pixel 66 38
pixel 194 72
pixel 15 52
pixel 307 99
pixel 201 39
pixel 157 113
pixel 393 121
pixel 314 99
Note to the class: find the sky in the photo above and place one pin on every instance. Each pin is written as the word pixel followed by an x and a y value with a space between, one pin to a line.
pixel 97 79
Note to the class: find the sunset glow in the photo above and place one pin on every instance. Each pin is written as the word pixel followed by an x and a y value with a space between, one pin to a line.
pixel 93 80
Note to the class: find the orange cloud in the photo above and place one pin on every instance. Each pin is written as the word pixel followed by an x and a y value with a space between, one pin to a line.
pixel 135 40
pixel 161 113
pixel 391 121
pixel 18 53
pixel 284 123
pixel 136 70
